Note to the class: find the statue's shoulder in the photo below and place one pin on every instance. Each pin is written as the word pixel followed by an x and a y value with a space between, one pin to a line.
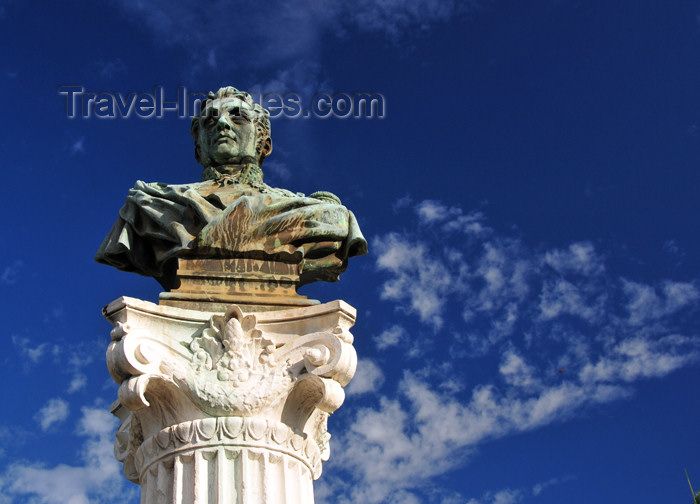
pixel 147 191
pixel 326 196
pixel 279 191
pixel 141 185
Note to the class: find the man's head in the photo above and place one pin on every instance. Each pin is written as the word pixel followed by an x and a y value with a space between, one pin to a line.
pixel 231 129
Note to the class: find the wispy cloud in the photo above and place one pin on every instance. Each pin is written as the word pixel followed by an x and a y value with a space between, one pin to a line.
pixel 97 479
pixel 190 24
pixel 418 281
pixel 204 30
pixel 10 273
pixel 452 218
pixel 498 282
pixel 55 411
pixel 368 378
pixel 304 77
pixel 278 170
pixel 11 438
pixel 538 488
pixel 672 248
pixel 77 383
pixel 32 352
pixel 68 359
pixel 568 335
pixel 110 68
pixel 505 496
pixel 515 495
pixel 647 303
pixel 391 337
pixel 5 6
pixel 423 432
pixel 78 146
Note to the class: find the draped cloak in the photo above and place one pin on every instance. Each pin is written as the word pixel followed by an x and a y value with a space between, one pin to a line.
pixel 231 218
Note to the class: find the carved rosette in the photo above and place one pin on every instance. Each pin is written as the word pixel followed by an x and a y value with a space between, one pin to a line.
pixel 202 389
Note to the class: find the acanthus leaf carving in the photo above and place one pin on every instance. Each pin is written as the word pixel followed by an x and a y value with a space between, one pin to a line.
pixel 234 369
pixel 231 367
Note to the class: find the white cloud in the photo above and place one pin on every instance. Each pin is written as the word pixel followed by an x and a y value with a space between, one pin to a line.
pixel 368 378
pixel 505 496
pixel 423 433
pixel 538 488
pixel 54 411
pixel 431 212
pixel 580 258
pixel 514 495
pixel 70 359
pixel 501 275
pixel 640 357
pixel 672 247
pixel 78 146
pixel 396 336
pixel 645 304
pixel 402 203
pixel 33 353
pixel 97 479
pixel 77 383
pixel 11 438
pixel 498 281
pixel 390 337
pixel 304 77
pixel 517 372
pixel 293 51
pixel 206 27
pixel 109 69
pixel 203 28
pixel 419 282
pixel 393 17
pixel 278 170
pixel 561 297
pixel 10 273
pixel 211 59
pixel 558 308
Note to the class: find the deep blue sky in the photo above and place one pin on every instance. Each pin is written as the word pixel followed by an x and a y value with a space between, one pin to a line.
pixel 531 205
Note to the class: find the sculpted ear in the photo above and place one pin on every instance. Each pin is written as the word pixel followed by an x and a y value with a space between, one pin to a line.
pixel 267 147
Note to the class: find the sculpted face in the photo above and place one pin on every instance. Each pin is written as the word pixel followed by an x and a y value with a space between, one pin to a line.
pixel 226 132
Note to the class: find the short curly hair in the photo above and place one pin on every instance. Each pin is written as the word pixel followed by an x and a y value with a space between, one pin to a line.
pixel 260 117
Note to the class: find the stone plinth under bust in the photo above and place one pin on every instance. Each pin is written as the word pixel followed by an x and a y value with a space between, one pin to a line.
pixel 253 284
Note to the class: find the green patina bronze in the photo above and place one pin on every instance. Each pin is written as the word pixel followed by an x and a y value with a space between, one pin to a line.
pixel 232 213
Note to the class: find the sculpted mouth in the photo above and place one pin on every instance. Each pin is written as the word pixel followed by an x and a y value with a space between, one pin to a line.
pixel 223 138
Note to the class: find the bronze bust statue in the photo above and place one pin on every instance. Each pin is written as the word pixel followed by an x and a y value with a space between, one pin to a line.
pixel 232 224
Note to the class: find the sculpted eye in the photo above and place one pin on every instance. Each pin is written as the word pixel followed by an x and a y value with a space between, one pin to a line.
pixel 238 115
pixel 240 119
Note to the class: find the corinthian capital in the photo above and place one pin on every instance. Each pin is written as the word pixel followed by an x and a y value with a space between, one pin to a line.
pixel 186 377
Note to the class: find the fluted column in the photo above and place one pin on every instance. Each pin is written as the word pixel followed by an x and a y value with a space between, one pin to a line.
pixel 227 408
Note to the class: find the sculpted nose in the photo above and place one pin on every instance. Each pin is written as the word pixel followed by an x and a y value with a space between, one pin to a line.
pixel 223 122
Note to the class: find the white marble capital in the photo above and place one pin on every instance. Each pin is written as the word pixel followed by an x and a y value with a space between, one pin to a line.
pixel 227 408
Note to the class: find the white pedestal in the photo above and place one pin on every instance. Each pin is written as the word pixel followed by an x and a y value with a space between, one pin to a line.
pixel 227 408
